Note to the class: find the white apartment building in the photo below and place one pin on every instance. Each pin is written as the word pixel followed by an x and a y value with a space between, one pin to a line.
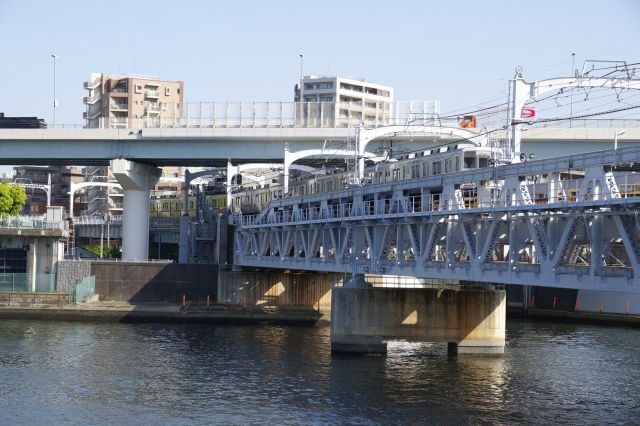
pixel 345 101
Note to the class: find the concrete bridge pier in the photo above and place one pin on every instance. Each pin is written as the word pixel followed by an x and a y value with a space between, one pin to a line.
pixel 136 180
pixel 470 321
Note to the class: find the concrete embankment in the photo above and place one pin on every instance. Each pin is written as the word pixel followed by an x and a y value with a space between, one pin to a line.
pixel 129 313
pixel 582 317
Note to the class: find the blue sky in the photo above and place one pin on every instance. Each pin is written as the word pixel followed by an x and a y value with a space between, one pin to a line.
pixel 459 52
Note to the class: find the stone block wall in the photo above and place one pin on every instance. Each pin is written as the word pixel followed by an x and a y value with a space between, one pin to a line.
pixel 71 272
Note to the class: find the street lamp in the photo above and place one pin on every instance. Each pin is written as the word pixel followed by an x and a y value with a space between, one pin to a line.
pixel 615 138
pixel 55 101
pixel 301 58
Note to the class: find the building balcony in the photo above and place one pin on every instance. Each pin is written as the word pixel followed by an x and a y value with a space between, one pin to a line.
pixel 152 94
pixel 90 100
pixel 90 115
pixel 152 110
pixel 118 122
pixel 119 107
pixel 89 85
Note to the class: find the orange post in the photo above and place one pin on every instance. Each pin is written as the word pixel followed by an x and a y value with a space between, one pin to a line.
pixel 601 306
pixel 555 300
pixel 577 303
pixel 244 302
pixel 208 302
pixel 184 301
pixel 533 300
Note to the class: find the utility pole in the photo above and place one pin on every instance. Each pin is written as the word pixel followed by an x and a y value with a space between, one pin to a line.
pixel 573 55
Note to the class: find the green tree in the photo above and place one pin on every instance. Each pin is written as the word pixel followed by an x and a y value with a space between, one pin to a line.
pixel 12 199
pixel 6 200
pixel 19 197
pixel 115 252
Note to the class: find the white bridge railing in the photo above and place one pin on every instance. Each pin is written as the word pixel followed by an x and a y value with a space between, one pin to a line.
pixel 285 115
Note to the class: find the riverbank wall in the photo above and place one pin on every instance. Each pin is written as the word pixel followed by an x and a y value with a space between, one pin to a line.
pixel 143 282
pixel 159 312
pixel 276 288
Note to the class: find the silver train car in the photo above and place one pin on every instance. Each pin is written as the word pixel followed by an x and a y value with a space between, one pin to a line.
pixel 452 158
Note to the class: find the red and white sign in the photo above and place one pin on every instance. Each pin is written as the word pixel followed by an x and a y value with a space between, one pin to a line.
pixel 528 112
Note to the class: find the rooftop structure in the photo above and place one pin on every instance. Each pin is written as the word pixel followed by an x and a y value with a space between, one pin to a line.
pixel 21 122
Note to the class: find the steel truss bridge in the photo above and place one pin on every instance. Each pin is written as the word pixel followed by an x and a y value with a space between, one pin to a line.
pixel 568 222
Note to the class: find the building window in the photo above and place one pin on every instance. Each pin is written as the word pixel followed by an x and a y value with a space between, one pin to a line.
pixel 178 90
pixel 167 91
pixel 13 260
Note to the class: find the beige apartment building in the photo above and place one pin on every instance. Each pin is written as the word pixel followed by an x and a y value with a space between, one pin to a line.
pixel 130 101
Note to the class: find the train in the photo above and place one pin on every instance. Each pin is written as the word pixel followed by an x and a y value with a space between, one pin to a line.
pixel 448 158
pixel 172 206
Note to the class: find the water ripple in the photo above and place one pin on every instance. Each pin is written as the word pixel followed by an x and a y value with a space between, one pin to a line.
pixel 78 373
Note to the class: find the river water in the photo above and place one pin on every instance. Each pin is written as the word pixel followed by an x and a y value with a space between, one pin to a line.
pixel 103 373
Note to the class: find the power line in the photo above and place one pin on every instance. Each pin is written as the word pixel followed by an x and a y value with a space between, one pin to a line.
pixel 594 114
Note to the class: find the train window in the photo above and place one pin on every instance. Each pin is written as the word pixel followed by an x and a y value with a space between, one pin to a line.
pixel 483 162
pixel 447 166
pixel 437 167
pixel 469 162
pixel 457 164
pixel 165 206
pixel 425 169
pixel 396 174
pixel 405 173
pixel 415 171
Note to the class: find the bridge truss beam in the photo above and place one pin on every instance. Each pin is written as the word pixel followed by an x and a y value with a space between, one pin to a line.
pixel 584 234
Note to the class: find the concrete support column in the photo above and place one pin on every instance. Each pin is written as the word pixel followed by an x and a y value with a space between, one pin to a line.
pixel 470 321
pixel 231 171
pixel 185 221
pixel 136 180
pixel 32 264
pixel 185 236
